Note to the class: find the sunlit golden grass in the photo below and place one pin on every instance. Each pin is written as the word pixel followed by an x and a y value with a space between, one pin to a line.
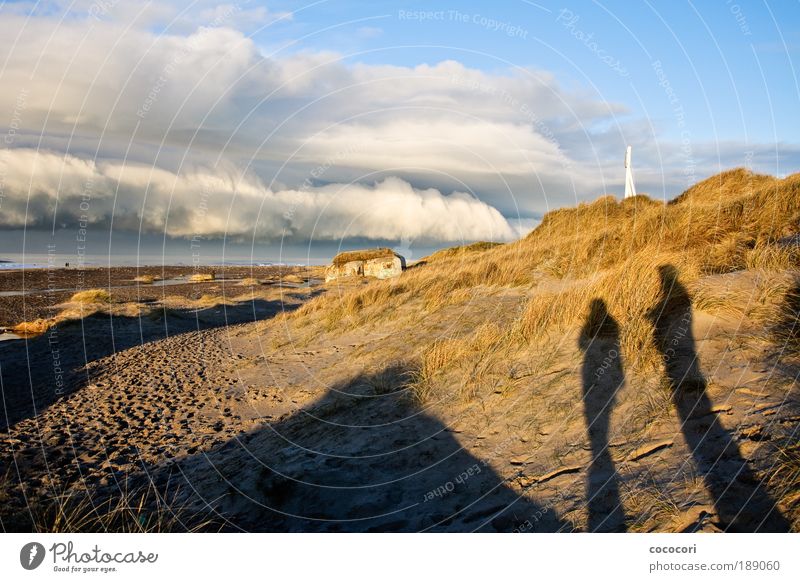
pixel 206 301
pixel 292 278
pixel 609 249
pixel 249 282
pixel 36 327
pixel 201 277
pixel 756 298
pixel 784 323
pixel 91 296
pixel 364 255
pixel 785 478
pixel 145 279
pixel 451 252
pixel 468 351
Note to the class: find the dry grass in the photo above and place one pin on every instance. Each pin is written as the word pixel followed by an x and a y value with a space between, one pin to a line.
pixel 773 257
pixel 79 305
pixel 473 352
pixel 785 479
pixel 143 510
pixel 249 282
pixel 607 249
pixel 201 277
pixel 206 301
pixel 362 255
pixel 756 298
pixel 91 297
pixel 32 328
pixel 293 279
pixel 784 324
pixel 451 252
pixel 630 290
pixel 610 249
pixel 651 504
pixel 146 279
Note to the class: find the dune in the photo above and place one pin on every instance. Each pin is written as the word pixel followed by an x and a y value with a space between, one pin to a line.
pixel 626 366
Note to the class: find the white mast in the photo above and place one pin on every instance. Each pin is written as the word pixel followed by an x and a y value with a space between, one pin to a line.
pixel 630 189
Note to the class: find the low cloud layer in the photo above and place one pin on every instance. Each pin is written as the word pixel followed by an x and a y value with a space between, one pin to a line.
pixel 44 189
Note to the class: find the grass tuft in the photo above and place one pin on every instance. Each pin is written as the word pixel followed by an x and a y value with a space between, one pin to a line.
pixel 91 296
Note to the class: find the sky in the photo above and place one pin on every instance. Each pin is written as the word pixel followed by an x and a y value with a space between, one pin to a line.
pixel 289 130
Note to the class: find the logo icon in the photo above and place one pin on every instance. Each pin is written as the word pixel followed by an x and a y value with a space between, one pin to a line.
pixel 31 555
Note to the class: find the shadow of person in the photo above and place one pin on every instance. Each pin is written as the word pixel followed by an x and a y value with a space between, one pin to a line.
pixel 741 502
pixel 602 377
pixel 362 458
pixel 37 372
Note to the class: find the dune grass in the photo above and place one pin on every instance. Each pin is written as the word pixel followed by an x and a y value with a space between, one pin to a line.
pixel 610 249
pixel 91 296
pixel 145 279
pixel 33 328
pixel 140 510
pixel 460 250
pixel 785 479
pixel 362 255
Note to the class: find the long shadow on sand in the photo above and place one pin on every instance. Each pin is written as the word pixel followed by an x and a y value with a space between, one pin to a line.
pixel 741 502
pixel 36 372
pixel 603 377
pixel 362 458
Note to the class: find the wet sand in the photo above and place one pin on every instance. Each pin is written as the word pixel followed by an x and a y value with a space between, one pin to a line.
pixel 30 294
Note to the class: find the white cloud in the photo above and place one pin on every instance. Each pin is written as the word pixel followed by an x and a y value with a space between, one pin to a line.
pixel 223 202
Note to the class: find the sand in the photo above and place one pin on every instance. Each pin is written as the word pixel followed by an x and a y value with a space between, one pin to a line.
pixel 249 422
pixel 39 302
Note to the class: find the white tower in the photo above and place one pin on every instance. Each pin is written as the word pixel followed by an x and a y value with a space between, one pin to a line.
pixel 630 189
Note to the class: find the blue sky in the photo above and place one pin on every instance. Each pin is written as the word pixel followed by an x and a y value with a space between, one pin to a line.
pixel 733 64
pixel 351 123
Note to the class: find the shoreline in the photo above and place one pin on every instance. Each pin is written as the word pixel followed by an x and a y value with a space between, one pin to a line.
pixel 31 294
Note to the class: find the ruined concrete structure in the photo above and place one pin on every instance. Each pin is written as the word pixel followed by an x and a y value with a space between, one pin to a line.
pixel 380 263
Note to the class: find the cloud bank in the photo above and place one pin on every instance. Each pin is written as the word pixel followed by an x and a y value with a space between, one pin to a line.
pixel 47 188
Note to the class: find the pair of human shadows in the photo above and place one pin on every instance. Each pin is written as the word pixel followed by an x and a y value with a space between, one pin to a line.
pixel 741 502
pixel 360 459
